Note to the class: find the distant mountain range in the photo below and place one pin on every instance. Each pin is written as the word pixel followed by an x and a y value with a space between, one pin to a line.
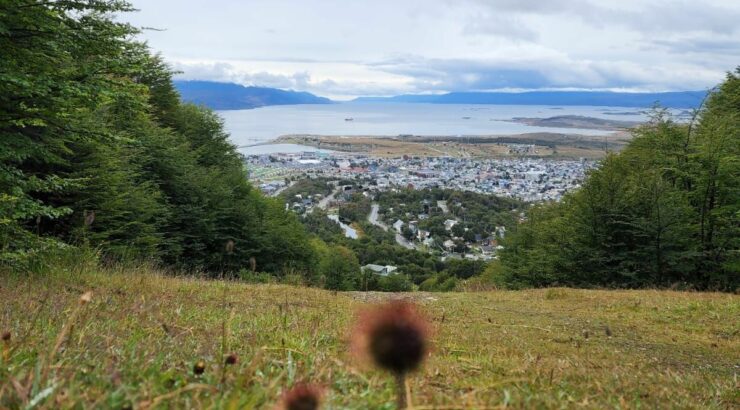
pixel 230 96
pixel 679 99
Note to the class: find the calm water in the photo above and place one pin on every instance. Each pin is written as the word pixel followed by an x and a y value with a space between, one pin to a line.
pixel 255 126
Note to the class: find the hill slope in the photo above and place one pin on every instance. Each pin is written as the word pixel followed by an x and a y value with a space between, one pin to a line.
pixel 136 342
pixel 230 96
pixel 680 99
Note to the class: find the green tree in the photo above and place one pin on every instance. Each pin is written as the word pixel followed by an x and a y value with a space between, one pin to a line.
pixel 340 269
pixel 663 211
pixel 91 123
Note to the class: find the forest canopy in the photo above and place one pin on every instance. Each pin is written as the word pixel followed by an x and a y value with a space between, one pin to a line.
pixel 98 150
pixel 663 212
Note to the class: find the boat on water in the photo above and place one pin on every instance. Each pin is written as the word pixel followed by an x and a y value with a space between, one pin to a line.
pixel 349 119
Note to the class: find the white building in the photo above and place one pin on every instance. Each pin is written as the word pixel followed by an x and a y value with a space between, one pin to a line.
pixel 379 269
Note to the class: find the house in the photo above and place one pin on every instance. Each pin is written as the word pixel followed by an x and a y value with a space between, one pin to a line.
pixel 501 231
pixel 398 225
pixel 379 269
pixel 422 234
pixel 449 224
pixel 414 226
pixel 347 192
pixel 449 244
pixel 443 206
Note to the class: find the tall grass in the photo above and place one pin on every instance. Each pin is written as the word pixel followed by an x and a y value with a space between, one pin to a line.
pixel 146 339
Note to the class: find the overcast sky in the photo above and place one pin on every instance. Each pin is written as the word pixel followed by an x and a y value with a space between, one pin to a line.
pixel 344 48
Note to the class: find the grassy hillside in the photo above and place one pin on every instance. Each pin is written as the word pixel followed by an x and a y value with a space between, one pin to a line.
pixel 135 343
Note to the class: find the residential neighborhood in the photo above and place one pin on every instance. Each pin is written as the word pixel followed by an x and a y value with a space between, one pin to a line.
pixel 463 228
pixel 527 179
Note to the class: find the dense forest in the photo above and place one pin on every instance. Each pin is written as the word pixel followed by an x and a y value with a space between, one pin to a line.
pixel 663 212
pixel 97 150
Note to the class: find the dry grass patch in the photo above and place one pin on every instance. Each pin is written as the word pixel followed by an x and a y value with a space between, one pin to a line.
pixel 138 340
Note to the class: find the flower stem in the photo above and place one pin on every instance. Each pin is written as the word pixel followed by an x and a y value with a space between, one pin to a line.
pixel 401 398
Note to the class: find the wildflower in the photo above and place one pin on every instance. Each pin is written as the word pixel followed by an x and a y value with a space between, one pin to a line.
pixel 231 359
pixel 394 336
pixel 301 397
pixel 199 367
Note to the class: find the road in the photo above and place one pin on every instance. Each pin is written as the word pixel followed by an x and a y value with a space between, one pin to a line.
pixel 327 200
pixel 279 191
pixel 373 219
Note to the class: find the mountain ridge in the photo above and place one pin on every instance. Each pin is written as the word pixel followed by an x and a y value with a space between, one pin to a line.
pixel 672 99
pixel 231 96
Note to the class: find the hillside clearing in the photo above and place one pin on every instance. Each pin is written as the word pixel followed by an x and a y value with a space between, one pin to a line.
pixel 134 346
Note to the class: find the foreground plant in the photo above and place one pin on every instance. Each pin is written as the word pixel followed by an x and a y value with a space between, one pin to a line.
pixel 301 397
pixel 394 336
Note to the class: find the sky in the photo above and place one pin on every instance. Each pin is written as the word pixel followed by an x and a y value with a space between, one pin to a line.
pixel 343 49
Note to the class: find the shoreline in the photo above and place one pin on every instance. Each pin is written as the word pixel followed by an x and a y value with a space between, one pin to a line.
pixel 538 144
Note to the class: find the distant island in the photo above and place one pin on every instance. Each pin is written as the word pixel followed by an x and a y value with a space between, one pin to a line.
pixel 230 96
pixel 577 121
pixel 677 99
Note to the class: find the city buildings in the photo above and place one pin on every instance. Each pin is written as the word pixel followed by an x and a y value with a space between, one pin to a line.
pixel 525 178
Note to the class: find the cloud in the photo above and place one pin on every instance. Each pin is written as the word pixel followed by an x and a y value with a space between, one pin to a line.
pixel 228 72
pixel 547 72
pixel 239 73
pixel 501 26
pixel 345 49
pixel 700 45
pixel 644 16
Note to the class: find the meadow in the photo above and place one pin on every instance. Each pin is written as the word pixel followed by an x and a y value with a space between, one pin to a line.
pixel 84 336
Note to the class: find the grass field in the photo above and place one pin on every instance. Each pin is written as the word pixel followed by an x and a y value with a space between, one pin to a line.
pixel 562 146
pixel 135 343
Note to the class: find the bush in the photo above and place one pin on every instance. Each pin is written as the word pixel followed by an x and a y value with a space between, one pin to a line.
pixel 255 277
pixel 395 283
pixel 441 282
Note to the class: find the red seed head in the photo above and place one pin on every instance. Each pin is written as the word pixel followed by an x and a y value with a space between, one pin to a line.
pixel 301 397
pixel 231 359
pixel 6 336
pixel 394 335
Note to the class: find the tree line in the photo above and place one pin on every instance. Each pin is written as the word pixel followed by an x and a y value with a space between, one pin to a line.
pixel 97 150
pixel 663 212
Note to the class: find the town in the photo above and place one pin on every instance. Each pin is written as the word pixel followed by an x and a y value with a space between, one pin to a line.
pixel 528 179
pixel 449 207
